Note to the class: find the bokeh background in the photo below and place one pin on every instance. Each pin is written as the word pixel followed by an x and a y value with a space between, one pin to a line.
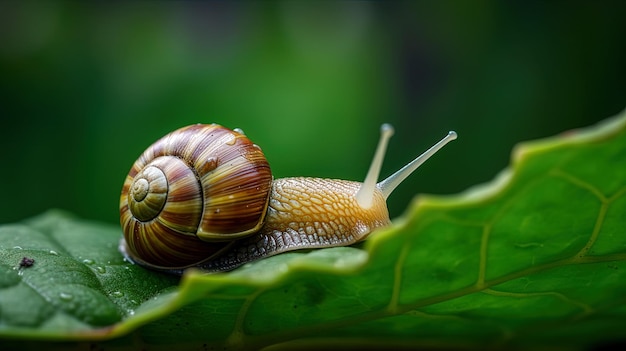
pixel 85 87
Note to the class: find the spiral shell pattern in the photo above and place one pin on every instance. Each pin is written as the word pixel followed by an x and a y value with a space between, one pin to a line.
pixel 191 193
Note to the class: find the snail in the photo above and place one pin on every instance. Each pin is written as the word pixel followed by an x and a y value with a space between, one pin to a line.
pixel 203 196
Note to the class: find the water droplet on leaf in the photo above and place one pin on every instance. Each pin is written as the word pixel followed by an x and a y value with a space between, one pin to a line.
pixel 66 296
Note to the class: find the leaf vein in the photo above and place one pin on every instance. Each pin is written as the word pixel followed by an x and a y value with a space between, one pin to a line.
pixel 397 279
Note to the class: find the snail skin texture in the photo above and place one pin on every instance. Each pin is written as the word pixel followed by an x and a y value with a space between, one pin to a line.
pixel 203 196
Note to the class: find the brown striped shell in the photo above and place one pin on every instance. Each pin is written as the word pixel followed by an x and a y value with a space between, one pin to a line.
pixel 191 193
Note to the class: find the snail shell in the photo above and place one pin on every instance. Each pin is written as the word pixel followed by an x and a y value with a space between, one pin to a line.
pixel 191 193
pixel 203 196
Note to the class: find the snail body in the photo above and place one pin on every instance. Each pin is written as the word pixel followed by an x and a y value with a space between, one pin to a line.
pixel 203 196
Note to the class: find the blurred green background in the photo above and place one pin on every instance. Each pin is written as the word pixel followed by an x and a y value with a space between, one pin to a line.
pixel 87 86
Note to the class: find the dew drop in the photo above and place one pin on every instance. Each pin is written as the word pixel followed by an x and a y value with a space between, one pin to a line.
pixel 52 252
pixel 88 261
pixel 231 140
pixel 117 294
pixel 100 269
pixel 17 247
pixel 66 296
pixel 239 130
pixel 131 312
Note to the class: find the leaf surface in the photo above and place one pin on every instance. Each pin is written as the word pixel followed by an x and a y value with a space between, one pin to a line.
pixel 534 259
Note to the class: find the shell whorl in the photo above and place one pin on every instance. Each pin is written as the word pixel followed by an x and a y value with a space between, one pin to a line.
pixel 191 192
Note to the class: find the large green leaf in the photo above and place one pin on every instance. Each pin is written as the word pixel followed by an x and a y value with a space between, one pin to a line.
pixel 534 259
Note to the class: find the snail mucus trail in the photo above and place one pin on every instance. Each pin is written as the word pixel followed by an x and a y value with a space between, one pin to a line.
pixel 203 196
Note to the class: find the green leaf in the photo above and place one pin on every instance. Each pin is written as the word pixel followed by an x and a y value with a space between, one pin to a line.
pixel 534 259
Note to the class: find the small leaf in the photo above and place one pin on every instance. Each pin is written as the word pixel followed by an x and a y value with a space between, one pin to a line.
pixel 535 259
